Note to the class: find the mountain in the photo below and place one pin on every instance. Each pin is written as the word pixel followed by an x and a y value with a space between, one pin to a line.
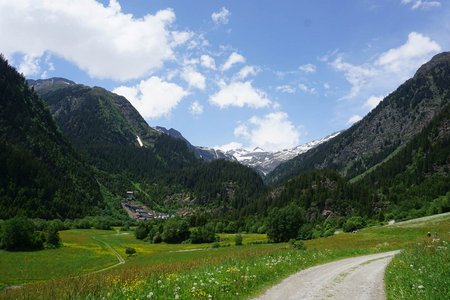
pixel 163 168
pixel 393 123
pixel 41 174
pixel 111 135
pixel 93 115
pixel 414 181
pixel 265 161
pixel 205 153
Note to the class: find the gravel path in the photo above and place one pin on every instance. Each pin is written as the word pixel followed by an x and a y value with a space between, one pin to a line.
pixel 352 278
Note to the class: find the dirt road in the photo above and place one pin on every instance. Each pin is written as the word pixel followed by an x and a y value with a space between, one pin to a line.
pixel 352 278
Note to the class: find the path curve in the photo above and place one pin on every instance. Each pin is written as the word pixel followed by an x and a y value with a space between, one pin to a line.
pixel 359 278
pixel 119 257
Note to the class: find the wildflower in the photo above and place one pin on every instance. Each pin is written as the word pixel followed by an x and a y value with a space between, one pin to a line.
pixel 149 295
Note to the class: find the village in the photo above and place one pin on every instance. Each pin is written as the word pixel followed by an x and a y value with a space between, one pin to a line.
pixel 141 212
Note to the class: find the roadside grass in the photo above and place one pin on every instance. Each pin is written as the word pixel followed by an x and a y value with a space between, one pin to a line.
pixel 421 271
pixel 162 270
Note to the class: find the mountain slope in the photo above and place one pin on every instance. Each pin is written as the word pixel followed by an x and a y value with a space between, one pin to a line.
pixel 73 105
pixel 205 153
pixel 397 119
pixel 162 170
pixel 111 134
pixel 414 181
pixel 41 174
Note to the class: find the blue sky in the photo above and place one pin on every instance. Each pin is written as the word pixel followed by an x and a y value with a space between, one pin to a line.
pixel 272 74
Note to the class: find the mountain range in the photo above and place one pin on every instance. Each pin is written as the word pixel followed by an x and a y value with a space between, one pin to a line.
pixel 85 146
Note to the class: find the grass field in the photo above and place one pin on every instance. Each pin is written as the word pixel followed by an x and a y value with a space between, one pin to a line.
pixel 161 269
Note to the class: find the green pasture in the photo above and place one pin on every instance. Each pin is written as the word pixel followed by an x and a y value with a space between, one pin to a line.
pixel 87 251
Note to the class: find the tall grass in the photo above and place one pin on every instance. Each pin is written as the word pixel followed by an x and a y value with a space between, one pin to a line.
pixel 421 271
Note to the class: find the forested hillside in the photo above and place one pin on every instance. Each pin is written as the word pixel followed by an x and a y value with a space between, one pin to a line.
pixel 41 174
pixel 394 122
pixel 414 181
pixel 164 171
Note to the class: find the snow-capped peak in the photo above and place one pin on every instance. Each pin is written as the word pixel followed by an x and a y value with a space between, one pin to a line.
pixel 266 161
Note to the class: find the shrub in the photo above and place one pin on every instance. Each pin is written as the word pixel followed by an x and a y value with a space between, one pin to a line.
pixel 297 244
pixel 18 234
pixel 175 231
pixel 354 223
pixel 238 240
pixel 204 234
pixel 284 223
pixel 130 251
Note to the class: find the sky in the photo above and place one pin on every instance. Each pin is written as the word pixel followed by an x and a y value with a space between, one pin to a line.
pixel 231 74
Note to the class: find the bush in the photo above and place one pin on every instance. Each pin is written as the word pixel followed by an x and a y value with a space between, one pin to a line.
pixel 284 223
pixel 19 234
pixel 297 244
pixel 354 223
pixel 141 231
pixel 130 251
pixel 238 240
pixel 204 234
pixel 175 231
pixel 215 245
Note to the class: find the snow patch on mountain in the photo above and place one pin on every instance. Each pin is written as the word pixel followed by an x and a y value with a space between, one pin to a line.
pixel 265 161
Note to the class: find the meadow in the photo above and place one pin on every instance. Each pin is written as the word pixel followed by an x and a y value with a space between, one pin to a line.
pixel 187 271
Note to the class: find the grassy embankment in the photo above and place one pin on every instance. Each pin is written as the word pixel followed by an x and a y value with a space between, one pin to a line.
pixel 422 270
pixel 189 271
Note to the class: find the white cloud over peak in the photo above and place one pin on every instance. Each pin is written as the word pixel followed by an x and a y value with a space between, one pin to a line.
pixel 271 132
pixel 234 58
pixel 153 98
pixel 372 102
pixel 308 68
pixel 390 69
pixel 193 78
pixel 239 94
pixel 221 17
pixel 101 40
pixel 422 4
pixel 196 108
pixel 410 55
pixel 229 146
pixel 353 119
pixel 29 65
pixel 208 62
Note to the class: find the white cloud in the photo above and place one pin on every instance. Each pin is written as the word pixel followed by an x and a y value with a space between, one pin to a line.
pixel 308 68
pixel 196 108
pixel 271 132
pixel 221 17
pixel 247 71
pixel 193 78
pixel 306 89
pixel 390 68
pixel 353 119
pixel 29 65
pixel 234 58
pixel 326 86
pixel 180 37
pixel 229 146
pixel 286 89
pixel 101 40
pixel 239 94
pixel 372 102
pixel 153 98
pixel 208 62
pixel 421 4
pixel 410 55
